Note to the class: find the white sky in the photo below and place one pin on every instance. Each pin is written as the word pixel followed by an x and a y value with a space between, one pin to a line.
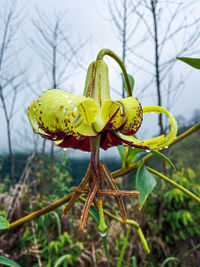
pixel 90 19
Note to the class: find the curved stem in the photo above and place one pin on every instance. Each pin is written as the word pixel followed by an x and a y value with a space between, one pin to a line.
pixel 135 225
pixel 110 53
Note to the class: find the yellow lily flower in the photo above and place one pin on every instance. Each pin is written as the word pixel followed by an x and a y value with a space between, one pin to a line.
pixel 90 121
pixel 71 121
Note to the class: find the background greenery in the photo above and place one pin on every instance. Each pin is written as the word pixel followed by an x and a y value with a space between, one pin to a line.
pixel 170 219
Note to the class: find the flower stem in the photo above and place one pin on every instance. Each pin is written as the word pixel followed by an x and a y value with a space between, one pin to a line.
pixel 110 53
pixel 102 225
pixel 94 147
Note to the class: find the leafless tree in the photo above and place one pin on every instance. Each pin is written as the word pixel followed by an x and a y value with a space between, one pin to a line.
pixel 59 55
pixel 173 29
pixel 126 26
pixel 152 34
pixel 11 74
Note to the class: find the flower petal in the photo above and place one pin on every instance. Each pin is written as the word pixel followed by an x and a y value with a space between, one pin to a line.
pixel 156 142
pixel 108 111
pixel 82 143
pixel 57 113
pixel 32 120
pixel 124 115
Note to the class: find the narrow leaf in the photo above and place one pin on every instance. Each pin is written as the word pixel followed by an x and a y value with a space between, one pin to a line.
pixel 194 62
pixel 162 156
pixel 55 214
pixel 8 262
pixel 134 260
pixel 145 182
pixel 169 259
pixel 131 80
pixel 60 260
pixel 122 153
pixel 125 243
pixel 133 153
pixel 4 224
pixel 105 245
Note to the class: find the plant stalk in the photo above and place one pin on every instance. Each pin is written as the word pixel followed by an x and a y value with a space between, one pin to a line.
pixel 110 53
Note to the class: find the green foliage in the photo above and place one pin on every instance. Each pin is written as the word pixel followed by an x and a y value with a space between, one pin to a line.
pixel 171 217
pixel 145 182
pixel 125 244
pixel 168 260
pixel 4 224
pixel 187 154
pixel 194 62
pixel 181 212
pixel 122 153
pixel 134 154
pixel 131 80
pixel 25 240
pixel 64 245
pixel 105 245
pixel 131 155
pixel 162 156
pixel 55 214
pixel 8 262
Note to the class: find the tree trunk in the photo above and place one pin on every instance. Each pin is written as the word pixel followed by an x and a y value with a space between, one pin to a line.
pixel 157 69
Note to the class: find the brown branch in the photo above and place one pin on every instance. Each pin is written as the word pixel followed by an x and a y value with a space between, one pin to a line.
pixel 108 192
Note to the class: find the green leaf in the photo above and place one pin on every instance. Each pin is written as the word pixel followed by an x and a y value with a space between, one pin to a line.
pixel 105 245
pixel 169 259
pixel 8 262
pixel 62 259
pixel 194 62
pixel 145 182
pixel 132 154
pixel 131 80
pixel 134 260
pixel 122 153
pixel 58 221
pixel 4 224
pixel 125 243
pixel 162 156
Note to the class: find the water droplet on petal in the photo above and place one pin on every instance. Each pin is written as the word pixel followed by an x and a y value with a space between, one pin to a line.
pixel 64 149
pixel 148 150
pixel 102 234
pixel 166 147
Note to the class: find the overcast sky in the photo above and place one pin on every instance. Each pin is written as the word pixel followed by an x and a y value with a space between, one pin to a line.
pixel 89 20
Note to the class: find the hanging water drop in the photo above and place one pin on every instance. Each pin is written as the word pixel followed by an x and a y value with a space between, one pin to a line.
pixel 148 150
pixel 102 234
pixel 166 147
pixel 64 149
